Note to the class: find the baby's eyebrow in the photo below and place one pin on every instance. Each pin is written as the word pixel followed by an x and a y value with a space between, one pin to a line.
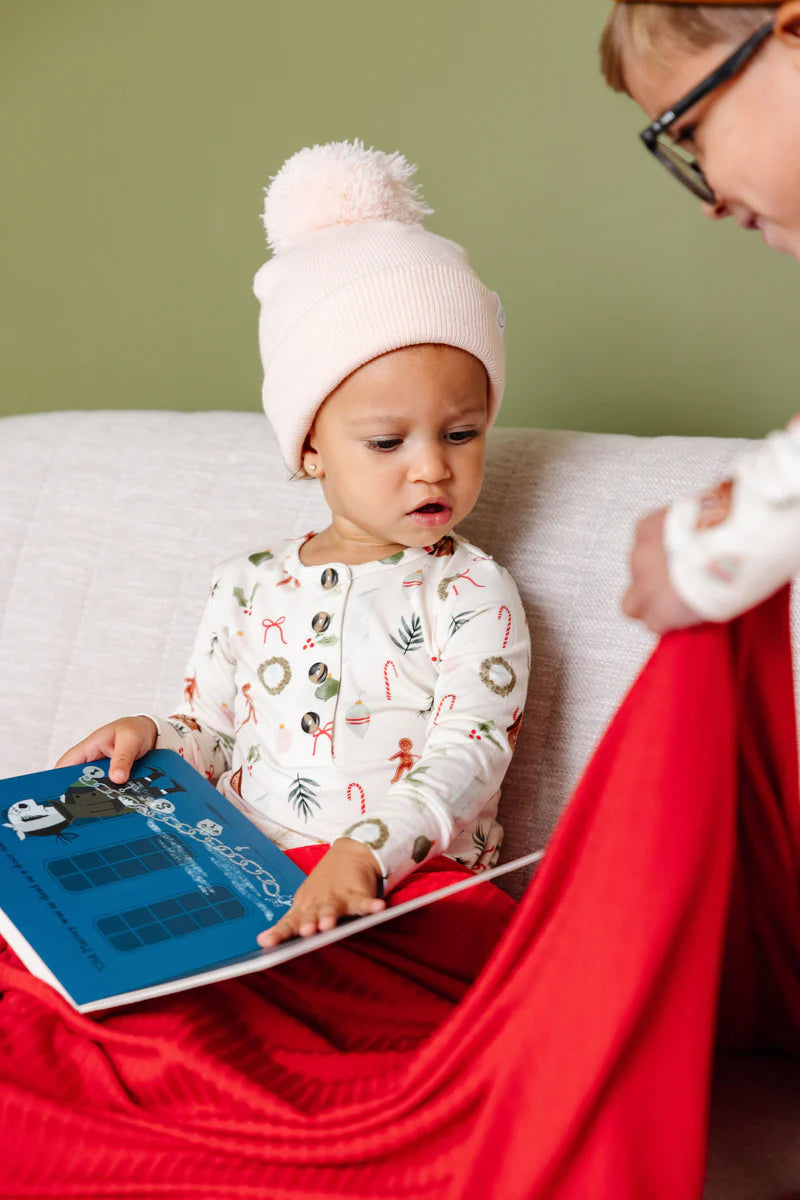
pixel 372 419
pixel 394 418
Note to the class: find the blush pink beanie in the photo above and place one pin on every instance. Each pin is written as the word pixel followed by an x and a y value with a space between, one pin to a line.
pixel 353 275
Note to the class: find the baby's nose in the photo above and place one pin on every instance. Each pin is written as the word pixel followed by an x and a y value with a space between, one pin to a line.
pixel 430 464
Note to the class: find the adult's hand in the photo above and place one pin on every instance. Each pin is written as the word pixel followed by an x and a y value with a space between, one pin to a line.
pixel 650 597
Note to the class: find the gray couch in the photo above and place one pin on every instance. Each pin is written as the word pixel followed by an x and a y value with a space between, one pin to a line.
pixel 110 524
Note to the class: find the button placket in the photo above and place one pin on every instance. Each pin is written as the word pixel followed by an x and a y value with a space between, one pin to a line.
pixel 325 686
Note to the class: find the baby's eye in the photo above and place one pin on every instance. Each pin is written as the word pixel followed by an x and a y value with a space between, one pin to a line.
pixel 384 444
pixel 458 436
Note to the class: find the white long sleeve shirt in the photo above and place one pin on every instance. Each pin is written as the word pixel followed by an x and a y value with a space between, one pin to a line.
pixel 379 701
pixel 737 545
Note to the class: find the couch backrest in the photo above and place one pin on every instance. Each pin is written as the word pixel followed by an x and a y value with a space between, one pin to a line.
pixel 111 522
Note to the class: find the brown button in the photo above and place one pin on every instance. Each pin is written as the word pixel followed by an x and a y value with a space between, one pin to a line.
pixel 329 578
pixel 318 673
pixel 309 722
pixel 320 622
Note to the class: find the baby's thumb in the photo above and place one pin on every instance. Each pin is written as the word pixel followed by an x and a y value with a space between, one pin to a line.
pixel 122 760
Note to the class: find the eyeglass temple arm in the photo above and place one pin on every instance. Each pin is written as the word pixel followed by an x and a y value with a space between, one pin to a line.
pixel 726 71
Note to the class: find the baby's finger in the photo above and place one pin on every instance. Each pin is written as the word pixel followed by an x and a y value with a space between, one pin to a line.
pixel 284 929
pixel 631 603
pixel 362 906
pixel 122 759
pixel 73 757
pixel 88 750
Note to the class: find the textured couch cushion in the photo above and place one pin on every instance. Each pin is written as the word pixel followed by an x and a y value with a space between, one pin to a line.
pixel 111 523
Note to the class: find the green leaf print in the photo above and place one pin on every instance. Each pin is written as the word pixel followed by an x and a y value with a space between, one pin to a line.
pixel 223 739
pixel 458 620
pixel 393 558
pixel 485 728
pixel 413 776
pixel 301 796
pixel 245 601
pixel 479 836
pixel 409 637
pixel 327 689
pixel 261 557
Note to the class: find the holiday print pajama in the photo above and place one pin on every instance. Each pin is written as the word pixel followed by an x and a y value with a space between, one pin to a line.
pixel 380 701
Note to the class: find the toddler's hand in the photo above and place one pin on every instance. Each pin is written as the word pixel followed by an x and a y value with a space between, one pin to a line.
pixel 650 596
pixel 343 884
pixel 122 741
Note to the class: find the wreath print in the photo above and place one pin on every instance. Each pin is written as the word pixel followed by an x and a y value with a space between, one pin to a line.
pixel 499 689
pixel 371 823
pixel 286 675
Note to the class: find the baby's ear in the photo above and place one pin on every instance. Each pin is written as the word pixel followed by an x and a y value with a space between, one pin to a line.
pixel 787 24
pixel 309 456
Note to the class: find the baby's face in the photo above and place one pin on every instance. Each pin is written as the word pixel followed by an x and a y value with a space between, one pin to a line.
pixel 399 448
pixel 746 134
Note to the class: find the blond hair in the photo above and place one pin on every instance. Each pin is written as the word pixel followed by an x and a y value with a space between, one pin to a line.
pixel 658 31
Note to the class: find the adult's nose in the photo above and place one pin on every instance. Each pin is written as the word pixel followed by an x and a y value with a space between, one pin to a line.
pixel 716 211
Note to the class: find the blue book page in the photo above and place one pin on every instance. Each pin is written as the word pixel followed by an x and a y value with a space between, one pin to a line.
pixel 122 887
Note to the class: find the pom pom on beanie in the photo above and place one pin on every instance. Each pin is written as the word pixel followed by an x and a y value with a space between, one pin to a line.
pixel 354 274
pixel 340 183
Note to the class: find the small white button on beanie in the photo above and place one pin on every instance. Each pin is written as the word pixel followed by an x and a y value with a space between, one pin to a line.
pixel 353 275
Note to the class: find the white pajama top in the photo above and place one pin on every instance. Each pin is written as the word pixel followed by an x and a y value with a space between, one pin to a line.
pixel 380 701
pixel 731 548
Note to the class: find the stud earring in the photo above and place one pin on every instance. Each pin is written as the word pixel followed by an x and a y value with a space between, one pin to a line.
pixel 311 467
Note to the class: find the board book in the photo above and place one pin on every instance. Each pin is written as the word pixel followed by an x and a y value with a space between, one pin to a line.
pixel 114 893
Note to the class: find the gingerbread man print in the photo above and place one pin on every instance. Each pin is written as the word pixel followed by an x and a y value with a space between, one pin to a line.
pixel 405 758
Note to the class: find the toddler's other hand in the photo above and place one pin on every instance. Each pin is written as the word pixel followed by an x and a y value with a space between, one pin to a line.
pixel 122 741
pixel 650 597
pixel 343 884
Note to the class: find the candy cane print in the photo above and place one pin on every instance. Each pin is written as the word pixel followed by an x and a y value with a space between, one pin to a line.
pixel 505 609
pixel 386 666
pixel 452 700
pixel 351 787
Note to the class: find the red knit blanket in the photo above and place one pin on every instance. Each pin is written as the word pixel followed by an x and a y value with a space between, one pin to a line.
pixel 558 1050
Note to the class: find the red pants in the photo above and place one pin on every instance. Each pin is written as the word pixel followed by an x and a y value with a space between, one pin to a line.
pixel 558 1050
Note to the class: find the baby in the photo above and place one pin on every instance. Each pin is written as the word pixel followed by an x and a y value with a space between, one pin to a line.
pixel 361 687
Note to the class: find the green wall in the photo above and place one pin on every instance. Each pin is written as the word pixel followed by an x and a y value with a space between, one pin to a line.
pixel 137 136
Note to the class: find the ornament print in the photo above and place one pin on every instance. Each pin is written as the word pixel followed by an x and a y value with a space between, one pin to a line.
pixel 358 717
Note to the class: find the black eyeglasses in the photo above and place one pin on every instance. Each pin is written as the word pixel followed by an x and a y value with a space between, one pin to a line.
pixel 679 161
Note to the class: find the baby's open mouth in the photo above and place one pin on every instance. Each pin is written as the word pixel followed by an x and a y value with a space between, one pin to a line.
pixel 433 514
